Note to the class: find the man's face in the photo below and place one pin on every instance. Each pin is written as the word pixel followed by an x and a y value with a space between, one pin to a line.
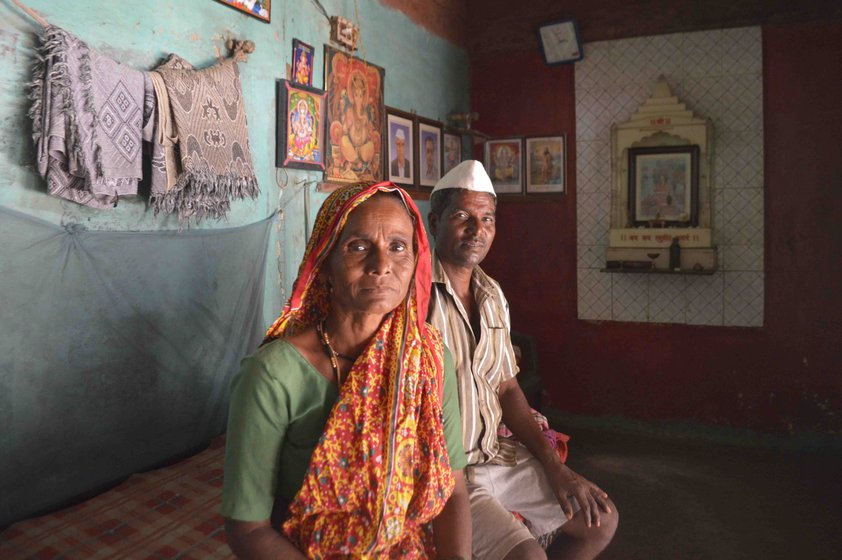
pixel 428 152
pixel 400 149
pixel 465 230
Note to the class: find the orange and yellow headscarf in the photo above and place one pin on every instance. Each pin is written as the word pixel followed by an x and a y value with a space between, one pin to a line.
pixel 381 470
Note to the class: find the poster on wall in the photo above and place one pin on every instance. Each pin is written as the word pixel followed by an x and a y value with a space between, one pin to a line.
pixel 503 162
pixel 545 164
pixel 300 127
pixel 354 118
pixel 260 9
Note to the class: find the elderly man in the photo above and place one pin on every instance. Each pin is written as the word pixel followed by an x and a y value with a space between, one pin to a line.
pixel 564 513
pixel 400 165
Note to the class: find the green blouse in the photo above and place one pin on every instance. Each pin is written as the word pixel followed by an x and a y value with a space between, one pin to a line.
pixel 278 410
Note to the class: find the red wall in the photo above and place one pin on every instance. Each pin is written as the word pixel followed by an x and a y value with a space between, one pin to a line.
pixel 783 377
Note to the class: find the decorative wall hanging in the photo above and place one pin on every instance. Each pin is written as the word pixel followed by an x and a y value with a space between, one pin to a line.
pixel 354 118
pixel 302 63
pixel 503 161
pixel 545 164
pixel 400 127
pixel 300 128
pixel 429 152
pixel 664 185
pixel 261 9
pixel 452 151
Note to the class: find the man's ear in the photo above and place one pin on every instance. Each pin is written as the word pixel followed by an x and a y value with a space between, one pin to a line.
pixel 433 220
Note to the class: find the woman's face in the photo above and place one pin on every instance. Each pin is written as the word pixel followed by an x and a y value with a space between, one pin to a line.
pixel 372 263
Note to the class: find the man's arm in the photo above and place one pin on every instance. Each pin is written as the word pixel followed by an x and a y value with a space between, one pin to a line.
pixel 565 483
pixel 452 527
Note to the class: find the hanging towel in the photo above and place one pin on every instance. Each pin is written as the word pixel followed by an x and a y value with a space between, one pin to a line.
pixel 203 137
pixel 88 114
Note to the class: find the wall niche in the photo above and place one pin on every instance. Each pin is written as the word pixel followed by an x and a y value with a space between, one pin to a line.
pixel 661 216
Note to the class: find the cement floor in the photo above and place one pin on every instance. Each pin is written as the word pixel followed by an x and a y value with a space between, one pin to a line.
pixel 687 500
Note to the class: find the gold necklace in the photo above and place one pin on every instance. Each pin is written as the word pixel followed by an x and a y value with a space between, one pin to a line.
pixel 331 353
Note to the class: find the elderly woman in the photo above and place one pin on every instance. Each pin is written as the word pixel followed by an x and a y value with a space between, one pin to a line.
pixel 344 431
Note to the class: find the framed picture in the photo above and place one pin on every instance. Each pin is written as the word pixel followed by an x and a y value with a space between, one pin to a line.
pixel 452 151
pixel 545 164
pixel 354 118
pixel 260 9
pixel 302 63
pixel 300 129
pixel 664 185
pixel 429 153
pixel 503 162
pixel 400 130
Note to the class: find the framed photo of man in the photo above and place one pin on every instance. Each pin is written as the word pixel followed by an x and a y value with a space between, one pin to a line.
pixel 452 151
pixel 429 153
pixel 545 164
pixel 400 130
pixel 503 158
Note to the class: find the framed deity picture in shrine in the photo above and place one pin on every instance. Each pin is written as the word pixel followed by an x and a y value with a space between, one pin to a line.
pixel 664 185
pixel 300 128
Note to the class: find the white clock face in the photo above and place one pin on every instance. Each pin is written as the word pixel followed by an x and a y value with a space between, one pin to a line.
pixel 560 42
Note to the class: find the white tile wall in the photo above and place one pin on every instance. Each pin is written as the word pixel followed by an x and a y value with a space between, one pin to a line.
pixel 718 74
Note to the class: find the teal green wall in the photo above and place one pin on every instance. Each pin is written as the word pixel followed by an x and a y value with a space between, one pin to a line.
pixel 424 73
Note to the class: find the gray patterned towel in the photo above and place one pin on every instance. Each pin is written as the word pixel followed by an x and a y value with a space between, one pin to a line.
pixel 202 160
pixel 88 113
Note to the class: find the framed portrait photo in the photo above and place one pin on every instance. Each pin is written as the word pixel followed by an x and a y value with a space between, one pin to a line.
pixel 429 153
pixel 300 128
pixel 354 118
pixel 664 185
pixel 302 63
pixel 261 9
pixel 452 154
pixel 545 164
pixel 503 158
pixel 400 131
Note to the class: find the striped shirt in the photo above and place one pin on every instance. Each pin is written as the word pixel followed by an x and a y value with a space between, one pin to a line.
pixel 480 366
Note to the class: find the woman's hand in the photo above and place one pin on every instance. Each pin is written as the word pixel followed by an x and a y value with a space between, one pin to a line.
pixel 452 527
pixel 258 540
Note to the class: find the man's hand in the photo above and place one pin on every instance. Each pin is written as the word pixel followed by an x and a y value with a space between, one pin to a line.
pixel 567 484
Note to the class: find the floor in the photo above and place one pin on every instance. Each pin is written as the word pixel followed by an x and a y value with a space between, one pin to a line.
pixel 687 500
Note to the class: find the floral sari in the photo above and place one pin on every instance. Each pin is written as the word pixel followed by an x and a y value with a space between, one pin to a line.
pixel 380 472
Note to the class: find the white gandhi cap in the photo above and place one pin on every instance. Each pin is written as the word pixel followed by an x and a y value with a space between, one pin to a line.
pixel 399 135
pixel 469 175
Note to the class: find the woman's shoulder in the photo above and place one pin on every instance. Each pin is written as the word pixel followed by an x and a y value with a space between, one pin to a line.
pixel 279 359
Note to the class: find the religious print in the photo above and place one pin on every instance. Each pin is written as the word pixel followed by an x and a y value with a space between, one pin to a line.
pixel 354 119
pixel 663 185
pixel 503 161
pixel 545 164
pixel 302 63
pixel 261 9
pixel 300 128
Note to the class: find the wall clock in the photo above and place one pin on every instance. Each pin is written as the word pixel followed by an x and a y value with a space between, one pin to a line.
pixel 560 42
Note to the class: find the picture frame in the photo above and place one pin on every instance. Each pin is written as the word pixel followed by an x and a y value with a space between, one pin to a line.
pixel 504 163
pixel 664 185
pixel 302 63
pixel 560 42
pixel 428 162
pixel 400 135
pixel 354 118
pixel 300 130
pixel 451 151
pixel 546 162
pixel 261 9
